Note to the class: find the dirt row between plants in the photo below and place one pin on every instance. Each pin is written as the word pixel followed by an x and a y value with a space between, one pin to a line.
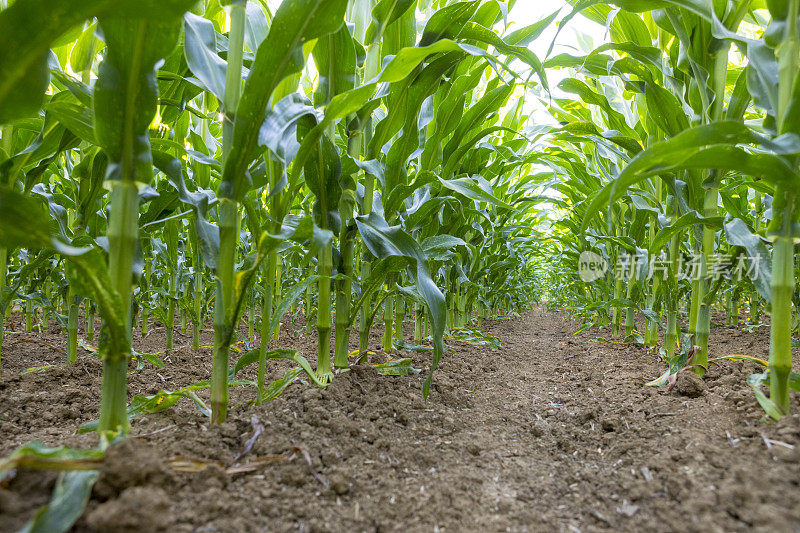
pixel 553 432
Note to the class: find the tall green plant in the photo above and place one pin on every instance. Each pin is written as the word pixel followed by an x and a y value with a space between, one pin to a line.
pixel 125 99
pixel 279 55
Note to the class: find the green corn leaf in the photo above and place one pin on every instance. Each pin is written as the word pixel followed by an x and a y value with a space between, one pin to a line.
pixel 448 21
pixel 76 118
pixel 274 389
pixel 665 109
pixel 769 406
pixel 279 130
pixel 405 101
pixel 67 503
pixel 82 55
pixel 80 90
pixel 126 93
pixel 384 241
pixel 397 367
pixel 256 25
pixel 288 299
pixel 474 188
pixel 293 227
pixel 24 222
pixel 688 150
pixel 200 49
pixel 702 8
pixel 53 139
pixel 453 160
pixel 594 97
pixel 342 105
pixel 322 171
pixel 252 356
pixel 478 33
pixel 441 245
pixel 738 234
pixel 684 221
pixel 199 201
pixel 163 400
pixel 151 358
pixel 399 34
pixel 279 56
pixel 474 337
pixel 528 34
pixel 88 276
pixel 385 13
pixel 407 111
pixel 336 61
pixel 376 280
pixel 24 48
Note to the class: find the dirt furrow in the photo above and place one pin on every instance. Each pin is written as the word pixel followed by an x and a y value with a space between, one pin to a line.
pixel 554 431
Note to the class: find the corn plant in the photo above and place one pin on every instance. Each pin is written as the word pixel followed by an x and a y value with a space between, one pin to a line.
pixel 366 162
pixel 701 128
pixel 174 157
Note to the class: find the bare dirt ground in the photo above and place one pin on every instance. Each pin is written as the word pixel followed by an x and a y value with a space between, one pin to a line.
pixel 553 432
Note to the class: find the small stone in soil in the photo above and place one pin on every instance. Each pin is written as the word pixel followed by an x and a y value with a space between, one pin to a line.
pixel 690 385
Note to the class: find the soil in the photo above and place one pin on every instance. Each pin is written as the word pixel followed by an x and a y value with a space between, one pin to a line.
pixel 553 432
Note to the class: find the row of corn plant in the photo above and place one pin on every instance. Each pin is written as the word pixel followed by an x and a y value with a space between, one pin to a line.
pixel 677 138
pixel 179 164
pixel 167 163
pixel 307 164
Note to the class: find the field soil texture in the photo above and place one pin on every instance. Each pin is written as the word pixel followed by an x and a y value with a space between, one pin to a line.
pixel 554 431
